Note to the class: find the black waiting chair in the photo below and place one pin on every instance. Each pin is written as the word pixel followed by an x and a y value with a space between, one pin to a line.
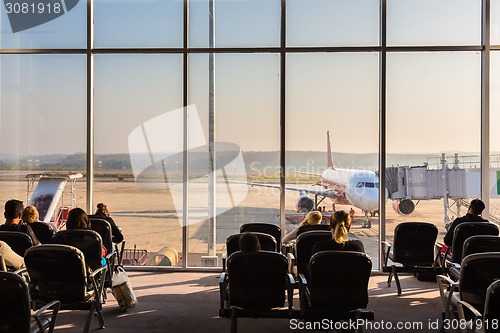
pixel 299 258
pixel 103 228
pixel 43 231
pixel 478 272
pixel 90 243
pixel 336 287
pixel 475 244
pixel 265 228
pixel 488 321
pixel 461 233
pixel 17 240
pixel 306 228
pixel 15 310
pixel 266 241
pixel 59 272
pixel 411 252
pixel 255 285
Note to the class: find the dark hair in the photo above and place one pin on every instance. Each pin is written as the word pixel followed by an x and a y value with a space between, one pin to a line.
pixel 249 242
pixel 77 219
pixel 102 208
pixel 13 208
pixel 477 206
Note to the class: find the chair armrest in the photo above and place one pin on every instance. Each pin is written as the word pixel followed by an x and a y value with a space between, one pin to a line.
pixel 119 249
pixel 462 305
pixel 223 284
pixel 444 284
pixel 224 261
pixel 304 294
pixel 386 249
pixel 291 262
pixel 54 305
pixel 98 287
pixel 290 284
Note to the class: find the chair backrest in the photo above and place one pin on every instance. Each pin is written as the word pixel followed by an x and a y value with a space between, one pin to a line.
pixel 265 228
pixel 339 280
pixel 88 242
pixel 257 279
pixel 267 242
pixel 481 244
pixel 17 240
pixel 42 231
pixel 492 306
pixel 304 245
pixel 414 243
pixel 477 272
pixel 15 311
pixel 103 228
pixel 466 230
pixel 57 272
pixel 306 228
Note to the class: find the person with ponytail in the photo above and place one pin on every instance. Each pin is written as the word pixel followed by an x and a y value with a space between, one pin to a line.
pixel 340 223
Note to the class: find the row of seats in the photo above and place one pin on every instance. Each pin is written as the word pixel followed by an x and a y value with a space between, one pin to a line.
pixel 69 271
pixel 467 273
pixel 261 283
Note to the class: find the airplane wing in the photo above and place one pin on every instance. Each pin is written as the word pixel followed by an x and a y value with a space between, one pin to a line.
pixel 302 190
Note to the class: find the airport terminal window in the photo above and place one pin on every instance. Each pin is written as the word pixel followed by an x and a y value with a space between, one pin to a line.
pixel 430 22
pixel 44 26
pixel 43 121
pixel 324 23
pixel 132 94
pixel 246 124
pixel 322 96
pixel 432 100
pixel 145 112
pixel 243 23
pixel 140 24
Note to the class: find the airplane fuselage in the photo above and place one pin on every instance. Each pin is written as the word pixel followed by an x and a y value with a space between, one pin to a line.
pixel 359 188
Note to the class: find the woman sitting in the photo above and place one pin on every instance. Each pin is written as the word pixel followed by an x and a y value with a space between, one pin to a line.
pixel 312 218
pixel 78 219
pixel 340 223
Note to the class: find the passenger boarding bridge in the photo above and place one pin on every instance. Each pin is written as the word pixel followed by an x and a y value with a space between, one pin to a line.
pixel 457 184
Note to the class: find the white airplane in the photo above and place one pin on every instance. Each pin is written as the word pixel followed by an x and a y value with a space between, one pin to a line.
pixel 353 187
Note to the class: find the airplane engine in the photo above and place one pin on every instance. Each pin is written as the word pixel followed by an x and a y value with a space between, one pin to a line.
pixel 304 204
pixel 403 207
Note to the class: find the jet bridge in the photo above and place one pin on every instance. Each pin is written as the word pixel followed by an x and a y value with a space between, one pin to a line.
pixel 408 183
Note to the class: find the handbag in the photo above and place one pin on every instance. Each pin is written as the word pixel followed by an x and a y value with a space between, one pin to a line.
pixel 122 289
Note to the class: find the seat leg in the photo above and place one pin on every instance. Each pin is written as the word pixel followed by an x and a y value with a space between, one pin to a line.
pixel 90 316
pixel 396 278
pixel 234 320
pixel 389 279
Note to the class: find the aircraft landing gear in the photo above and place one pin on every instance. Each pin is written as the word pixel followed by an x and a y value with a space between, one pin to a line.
pixel 366 221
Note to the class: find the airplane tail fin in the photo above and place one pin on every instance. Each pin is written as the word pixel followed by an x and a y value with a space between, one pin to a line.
pixel 329 151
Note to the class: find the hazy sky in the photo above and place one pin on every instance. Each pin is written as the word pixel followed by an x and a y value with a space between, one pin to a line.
pixel 433 98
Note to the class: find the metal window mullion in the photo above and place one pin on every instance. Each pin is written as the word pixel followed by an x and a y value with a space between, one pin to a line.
pixel 382 125
pixel 90 106
pixel 282 117
pixel 485 104
pixel 185 156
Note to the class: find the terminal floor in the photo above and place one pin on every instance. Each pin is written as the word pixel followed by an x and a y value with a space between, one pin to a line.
pixel 178 302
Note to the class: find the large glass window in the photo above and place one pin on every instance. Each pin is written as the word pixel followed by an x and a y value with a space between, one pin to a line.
pixel 433 110
pixel 135 136
pixel 495 137
pixel 325 23
pixel 246 135
pixel 43 24
pixel 433 22
pixel 323 97
pixel 141 24
pixel 43 125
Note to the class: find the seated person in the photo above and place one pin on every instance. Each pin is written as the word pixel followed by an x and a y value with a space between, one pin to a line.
pixel 473 215
pixel 249 242
pixel 102 212
pixel 13 215
pixel 312 218
pixel 340 222
pixel 78 219
pixel 11 258
pixel 42 230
